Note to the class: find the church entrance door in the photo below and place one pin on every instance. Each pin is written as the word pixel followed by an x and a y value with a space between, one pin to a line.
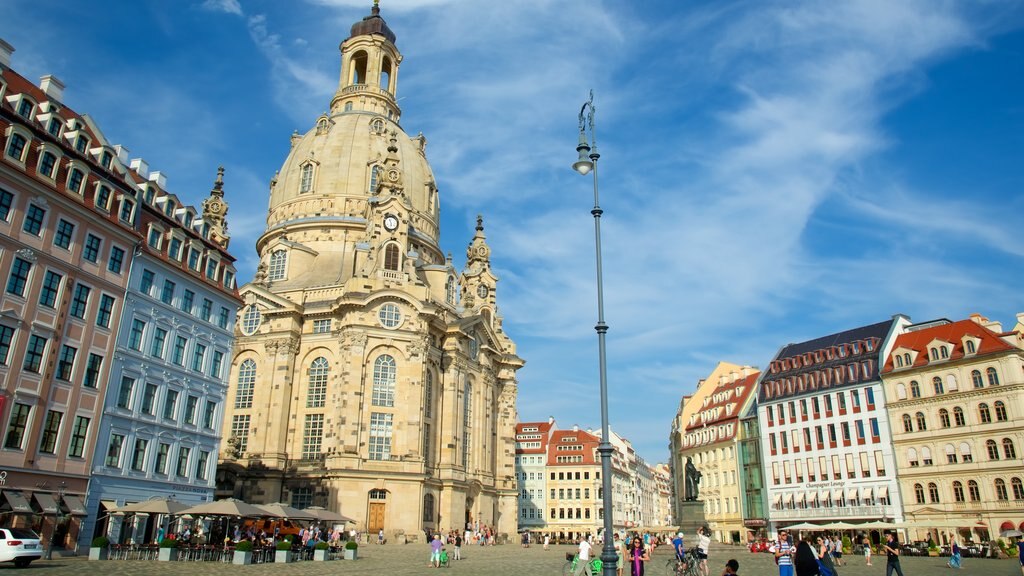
pixel 376 520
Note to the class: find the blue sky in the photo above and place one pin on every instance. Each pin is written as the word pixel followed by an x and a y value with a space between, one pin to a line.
pixel 771 172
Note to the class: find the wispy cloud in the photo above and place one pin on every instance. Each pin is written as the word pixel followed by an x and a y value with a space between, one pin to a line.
pixel 226 6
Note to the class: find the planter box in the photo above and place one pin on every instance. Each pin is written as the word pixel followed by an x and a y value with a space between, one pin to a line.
pixel 99 553
pixel 321 555
pixel 351 554
pixel 241 557
pixel 283 556
pixel 167 555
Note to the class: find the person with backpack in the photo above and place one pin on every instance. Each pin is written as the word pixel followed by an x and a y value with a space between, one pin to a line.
pixel 784 554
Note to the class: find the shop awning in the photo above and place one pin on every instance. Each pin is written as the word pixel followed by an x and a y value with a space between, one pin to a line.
pixel 777 500
pixel 883 491
pixel 75 505
pixel 801 498
pixel 824 495
pixel 867 494
pixel 851 494
pixel 788 499
pixel 47 504
pixel 19 505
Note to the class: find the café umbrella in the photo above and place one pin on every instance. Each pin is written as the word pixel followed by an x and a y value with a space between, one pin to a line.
pixel 227 507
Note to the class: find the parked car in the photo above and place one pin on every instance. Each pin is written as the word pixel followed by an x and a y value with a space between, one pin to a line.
pixel 19 545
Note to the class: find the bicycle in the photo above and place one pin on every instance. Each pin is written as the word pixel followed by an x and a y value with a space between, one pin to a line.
pixel 688 566
pixel 443 559
pixel 569 568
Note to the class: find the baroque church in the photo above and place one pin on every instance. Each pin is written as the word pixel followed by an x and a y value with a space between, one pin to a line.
pixel 369 376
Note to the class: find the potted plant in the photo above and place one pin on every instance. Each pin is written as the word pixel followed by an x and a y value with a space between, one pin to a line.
pixel 933 550
pixel 321 552
pixel 284 550
pixel 168 550
pixel 243 553
pixel 847 545
pixel 100 549
pixel 351 549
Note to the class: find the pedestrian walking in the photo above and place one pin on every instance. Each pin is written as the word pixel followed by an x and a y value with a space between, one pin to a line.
pixel 458 546
pixel 583 558
pixel 784 554
pixel 892 555
pixel 866 542
pixel 955 560
pixel 637 555
pixel 547 540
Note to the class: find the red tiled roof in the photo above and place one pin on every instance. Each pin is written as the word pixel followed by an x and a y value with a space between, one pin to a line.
pixel 952 333
pixel 715 403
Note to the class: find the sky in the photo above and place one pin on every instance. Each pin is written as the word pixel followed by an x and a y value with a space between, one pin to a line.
pixel 770 172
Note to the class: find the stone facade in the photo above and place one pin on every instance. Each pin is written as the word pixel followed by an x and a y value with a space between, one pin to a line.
pixel 369 376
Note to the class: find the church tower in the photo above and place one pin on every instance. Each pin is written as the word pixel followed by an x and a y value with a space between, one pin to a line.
pixel 369 376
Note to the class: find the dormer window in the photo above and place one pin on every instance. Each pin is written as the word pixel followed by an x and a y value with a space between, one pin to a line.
pixel 899 361
pixel 150 194
pixel 906 359
pixel 103 198
pixel 969 346
pixel 106 158
pixel 25 108
pixel 944 352
pixel 189 217
pixel 211 268
pixel 229 279
pixel 935 353
pixel 155 238
pixel 75 179
pixel 193 259
pixel 16 147
pixel 127 214
pixel 54 126
pixel 174 249
pixel 47 164
pixel 81 144
pixel 169 207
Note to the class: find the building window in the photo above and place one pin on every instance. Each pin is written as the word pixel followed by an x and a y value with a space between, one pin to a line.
pixel 1018 488
pixel 198 357
pixel 251 320
pixel 944 418
pixel 139 454
pixel 114 451
pixel 384 373
pixel 380 436
pixel 937 384
pixel 321 326
pixel 983 413
pixel 306 178
pixel 135 336
pixel 103 199
pixel 149 400
pixel 193 259
pixel 178 355
pixel 155 235
pixel 467 421
pixel 167 294
pixel 16 147
pixel 993 449
pixel 106 310
pixel 246 383
pixel 162 453
pixel 124 393
pixel 187 301
pixel 6 202
pixel 976 379
pixel 18 279
pixel 17 425
pixel 209 414
pixel 146 282
pixel 933 492
pixel 915 389
pixel 78 436
pixel 278 265
pixel 211 269
pixel 428 395
pixel 91 250
pixel 1000 485
pixel 428 507
pixel 47 162
pixel 1000 411
pixel 116 260
pixel 958 491
pixel 390 316
pixel 170 404
pixel 6 337
pixel 318 373
pixel 240 432
pixel 206 310
pixel 65 231
pixel 80 301
pixel 312 436
pixel 51 286
pixel 182 467
pixel 302 497
pixel 908 425
pixel 225 316
pixel 374 174
pixel 1008 450
pixel 922 424
pixel 127 211
pixel 92 370
pixel 191 407
pixel 391 260
pixel 66 362
pixel 174 250
pixel 958 416
pixel 202 464
pixel 216 364
pixel 156 349
pixel 75 179
pixel 972 491
pixel 51 430
pixel 449 290
pixel 34 354
pixel 993 377
pixel 919 493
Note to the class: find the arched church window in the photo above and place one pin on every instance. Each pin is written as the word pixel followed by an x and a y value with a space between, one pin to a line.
pixel 251 320
pixel 318 372
pixel 449 290
pixel 384 373
pixel 391 257
pixel 385 74
pixel 359 67
pixel 278 264
pixel 467 421
pixel 377 126
pixel 348 106
pixel 306 178
pixel 428 395
pixel 374 178
pixel 246 384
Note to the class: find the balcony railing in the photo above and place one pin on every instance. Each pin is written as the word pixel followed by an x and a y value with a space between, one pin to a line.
pixel 875 512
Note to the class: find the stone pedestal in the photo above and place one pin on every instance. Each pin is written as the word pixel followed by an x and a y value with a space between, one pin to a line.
pixel 692 517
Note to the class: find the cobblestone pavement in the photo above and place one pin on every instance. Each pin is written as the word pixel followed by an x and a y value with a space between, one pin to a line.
pixel 411 559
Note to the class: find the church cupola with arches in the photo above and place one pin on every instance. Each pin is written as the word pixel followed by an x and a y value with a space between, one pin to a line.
pixel 369 375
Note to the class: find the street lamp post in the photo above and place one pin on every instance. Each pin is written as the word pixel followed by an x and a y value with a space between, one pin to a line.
pixel 586 164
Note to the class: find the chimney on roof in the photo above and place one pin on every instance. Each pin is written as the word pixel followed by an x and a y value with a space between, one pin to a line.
pixel 5 53
pixel 551 419
pixel 53 87
pixel 992 325
pixel 122 154
pixel 160 179
pixel 575 427
pixel 140 167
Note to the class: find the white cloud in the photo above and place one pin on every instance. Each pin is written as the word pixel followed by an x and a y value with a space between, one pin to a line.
pixel 226 6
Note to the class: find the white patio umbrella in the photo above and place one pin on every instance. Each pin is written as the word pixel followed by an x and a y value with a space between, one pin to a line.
pixel 155 506
pixel 282 510
pixel 227 507
pixel 325 515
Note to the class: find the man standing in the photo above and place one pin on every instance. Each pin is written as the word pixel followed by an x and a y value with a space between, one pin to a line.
pixel 703 543
pixel 458 546
pixel 784 554
pixel 892 555
pixel 680 548
pixel 583 562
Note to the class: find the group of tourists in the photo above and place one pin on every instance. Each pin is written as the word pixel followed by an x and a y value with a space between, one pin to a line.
pixel 819 556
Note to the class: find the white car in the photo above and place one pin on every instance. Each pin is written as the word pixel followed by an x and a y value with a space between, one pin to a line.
pixel 19 545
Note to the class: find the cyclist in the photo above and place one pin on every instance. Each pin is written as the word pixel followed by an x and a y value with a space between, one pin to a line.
pixel 680 549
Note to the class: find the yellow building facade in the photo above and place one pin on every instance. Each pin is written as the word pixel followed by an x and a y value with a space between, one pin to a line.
pixel 369 375
pixel 955 396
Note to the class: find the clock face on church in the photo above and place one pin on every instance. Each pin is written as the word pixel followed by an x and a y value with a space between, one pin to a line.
pixel 393 175
pixel 481 291
pixel 391 222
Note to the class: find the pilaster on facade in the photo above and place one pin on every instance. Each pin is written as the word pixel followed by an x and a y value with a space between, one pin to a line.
pixel 955 391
